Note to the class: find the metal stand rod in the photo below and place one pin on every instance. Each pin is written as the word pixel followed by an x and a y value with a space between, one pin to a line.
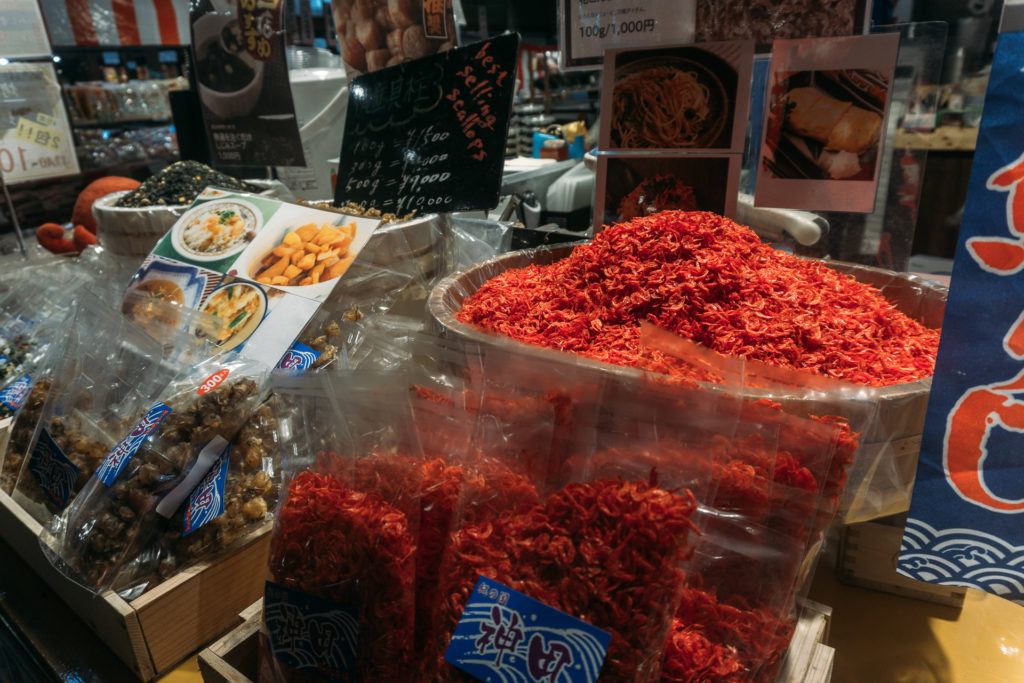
pixel 14 216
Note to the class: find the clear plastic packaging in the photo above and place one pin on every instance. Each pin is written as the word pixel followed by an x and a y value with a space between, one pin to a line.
pixel 889 420
pixel 604 540
pixel 148 474
pixel 29 357
pixel 345 535
pixel 94 392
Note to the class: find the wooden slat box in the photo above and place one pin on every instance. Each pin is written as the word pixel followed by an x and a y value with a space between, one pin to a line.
pixel 867 558
pixel 168 622
pixel 235 657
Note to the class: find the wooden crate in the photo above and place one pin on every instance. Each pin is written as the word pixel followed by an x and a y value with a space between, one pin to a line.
pixel 868 553
pixel 235 657
pixel 167 623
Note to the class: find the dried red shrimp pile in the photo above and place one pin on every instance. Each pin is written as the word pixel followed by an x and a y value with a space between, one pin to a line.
pixel 406 539
pixel 712 281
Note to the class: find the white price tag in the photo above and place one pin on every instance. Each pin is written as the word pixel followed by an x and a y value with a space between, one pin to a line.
pixel 589 27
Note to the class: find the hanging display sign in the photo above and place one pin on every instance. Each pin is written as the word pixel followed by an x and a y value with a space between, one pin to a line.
pixel 429 135
pixel 966 521
pixel 22 31
pixel 588 28
pixel 258 268
pixel 35 138
pixel 823 139
pixel 687 104
pixel 240 66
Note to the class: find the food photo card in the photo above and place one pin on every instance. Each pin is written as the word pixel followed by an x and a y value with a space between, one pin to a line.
pixel 630 186
pixel 825 124
pixel 256 268
pixel 689 97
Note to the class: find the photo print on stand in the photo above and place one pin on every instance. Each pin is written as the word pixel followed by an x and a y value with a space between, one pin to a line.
pixel 825 123
pixel 638 185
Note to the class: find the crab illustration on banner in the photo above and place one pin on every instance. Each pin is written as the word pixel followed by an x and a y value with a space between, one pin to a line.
pixel 966 520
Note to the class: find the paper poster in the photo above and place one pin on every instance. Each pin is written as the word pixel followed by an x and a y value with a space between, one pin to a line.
pixel 824 132
pixel 35 138
pixel 22 31
pixel 632 185
pixel 238 52
pixel 677 98
pixel 588 28
pixel 966 521
pixel 429 135
pixel 375 34
pixel 258 267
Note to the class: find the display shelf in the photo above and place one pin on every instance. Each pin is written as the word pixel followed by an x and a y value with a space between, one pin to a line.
pixel 168 622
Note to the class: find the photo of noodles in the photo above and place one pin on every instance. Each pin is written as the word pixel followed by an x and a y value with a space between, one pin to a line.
pixel 237 310
pixel 659 107
pixel 671 98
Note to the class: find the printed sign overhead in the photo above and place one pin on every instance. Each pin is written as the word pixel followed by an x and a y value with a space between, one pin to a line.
pixel 239 57
pixel 429 135
pixel 966 521
pixel 589 27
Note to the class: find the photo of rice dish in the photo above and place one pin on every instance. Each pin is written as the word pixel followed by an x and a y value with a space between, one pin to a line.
pixel 223 227
pixel 238 310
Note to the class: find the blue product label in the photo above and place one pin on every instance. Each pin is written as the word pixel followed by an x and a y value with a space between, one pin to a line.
pixel 124 451
pixel 206 503
pixel 13 395
pixel 53 471
pixel 309 633
pixel 3 360
pixel 298 359
pixel 504 635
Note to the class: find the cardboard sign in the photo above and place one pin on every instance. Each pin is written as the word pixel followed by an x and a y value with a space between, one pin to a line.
pixel 823 139
pixel 505 635
pixel 588 28
pixel 35 138
pixel 966 521
pixel 429 135
pixel 239 60
pixel 258 266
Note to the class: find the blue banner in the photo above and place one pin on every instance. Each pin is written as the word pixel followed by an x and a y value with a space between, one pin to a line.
pixel 14 394
pixel 121 454
pixel 965 525
pixel 206 503
pixel 507 636
pixel 309 633
pixel 298 359
pixel 53 470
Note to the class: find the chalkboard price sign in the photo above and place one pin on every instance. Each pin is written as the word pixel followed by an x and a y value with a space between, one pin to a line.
pixel 429 135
